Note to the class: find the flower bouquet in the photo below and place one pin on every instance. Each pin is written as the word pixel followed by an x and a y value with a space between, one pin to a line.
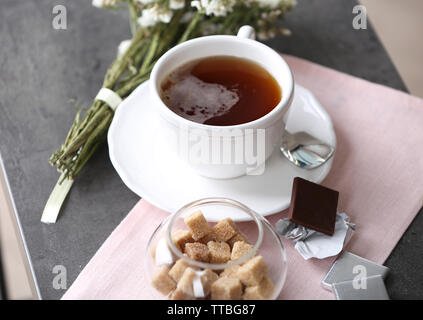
pixel 156 26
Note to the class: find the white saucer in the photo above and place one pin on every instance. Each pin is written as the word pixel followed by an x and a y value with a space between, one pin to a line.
pixel 155 173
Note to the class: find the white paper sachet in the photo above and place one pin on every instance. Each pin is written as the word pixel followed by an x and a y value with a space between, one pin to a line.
pixel 313 244
pixel 163 254
pixel 197 285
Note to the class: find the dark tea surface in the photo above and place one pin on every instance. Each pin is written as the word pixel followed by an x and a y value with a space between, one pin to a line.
pixel 221 91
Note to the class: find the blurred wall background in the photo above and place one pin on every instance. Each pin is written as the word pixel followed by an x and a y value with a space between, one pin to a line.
pixel 399 25
pixel 13 258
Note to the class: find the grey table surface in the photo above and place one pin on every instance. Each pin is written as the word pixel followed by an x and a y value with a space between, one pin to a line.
pixel 42 68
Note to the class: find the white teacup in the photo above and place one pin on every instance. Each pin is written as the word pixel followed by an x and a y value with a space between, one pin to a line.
pixel 224 152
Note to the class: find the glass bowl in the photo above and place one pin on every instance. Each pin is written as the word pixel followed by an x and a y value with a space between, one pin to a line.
pixel 258 231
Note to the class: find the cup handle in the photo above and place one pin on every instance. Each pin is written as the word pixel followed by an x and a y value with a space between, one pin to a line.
pixel 247 32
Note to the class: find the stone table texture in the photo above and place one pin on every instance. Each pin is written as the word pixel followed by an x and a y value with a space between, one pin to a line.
pixel 42 68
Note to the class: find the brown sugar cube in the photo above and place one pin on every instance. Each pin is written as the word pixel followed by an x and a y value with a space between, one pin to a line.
pixel 197 224
pixel 230 271
pixel 162 281
pixel 226 288
pixel 225 229
pixel 252 272
pixel 238 237
pixel 153 252
pixel 178 269
pixel 220 252
pixel 185 282
pixel 208 277
pixel 197 251
pixel 207 238
pixel 240 249
pixel 180 238
pixel 178 294
pixel 262 291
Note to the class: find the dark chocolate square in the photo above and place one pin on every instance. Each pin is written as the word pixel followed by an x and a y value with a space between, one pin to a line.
pixel 313 206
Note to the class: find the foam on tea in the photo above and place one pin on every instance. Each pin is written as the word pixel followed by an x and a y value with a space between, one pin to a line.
pixel 221 90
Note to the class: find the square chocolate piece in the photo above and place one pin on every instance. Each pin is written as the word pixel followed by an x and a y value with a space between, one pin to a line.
pixel 313 206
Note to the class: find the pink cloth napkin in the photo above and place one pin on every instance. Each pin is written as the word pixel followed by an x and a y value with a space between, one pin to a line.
pixel 378 170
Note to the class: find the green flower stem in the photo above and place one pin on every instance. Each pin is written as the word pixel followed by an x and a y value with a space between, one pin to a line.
pixel 95 138
pixel 191 27
pixel 130 86
pixel 88 116
pixel 141 53
pixel 133 17
pixel 120 65
pixel 228 21
pixel 85 133
pixel 151 51
pixel 167 40
pixel 90 153
pixel 56 155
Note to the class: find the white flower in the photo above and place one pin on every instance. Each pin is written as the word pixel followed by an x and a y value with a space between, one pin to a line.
pixel 263 35
pixel 173 4
pixel 98 3
pixel 149 17
pixel 176 4
pixel 165 16
pixel 214 7
pixel 269 3
pixel 103 3
pixel 275 3
pixel 286 32
pixel 197 5
pixel 123 47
